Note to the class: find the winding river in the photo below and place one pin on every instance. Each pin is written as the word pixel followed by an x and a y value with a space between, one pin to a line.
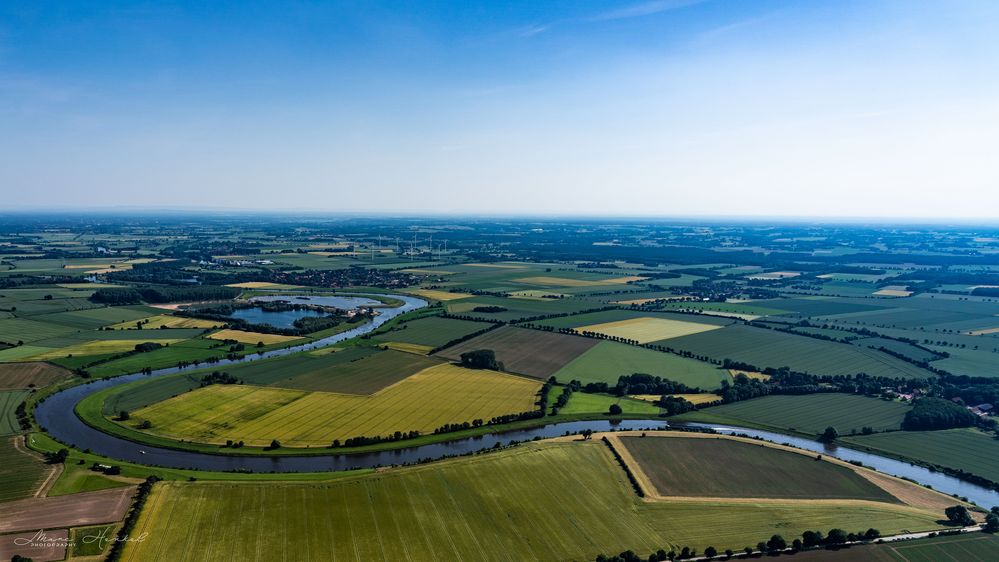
pixel 56 415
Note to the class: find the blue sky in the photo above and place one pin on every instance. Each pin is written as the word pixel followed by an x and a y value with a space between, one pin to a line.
pixel 660 107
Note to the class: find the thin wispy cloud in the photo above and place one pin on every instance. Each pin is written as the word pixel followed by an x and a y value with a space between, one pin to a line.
pixel 644 9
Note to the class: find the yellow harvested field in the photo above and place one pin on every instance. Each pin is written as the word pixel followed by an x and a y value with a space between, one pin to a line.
pixel 698 398
pixel 893 291
pixel 439 295
pixel 425 401
pixel 646 328
pixel 96 347
pixel 165 320
pixel 410 347
pixel 750 374
pixel 251 337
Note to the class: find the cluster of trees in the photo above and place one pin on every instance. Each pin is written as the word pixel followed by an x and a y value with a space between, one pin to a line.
pixel 449 427
pixel 773 546
pixel 57 457
pixel 481 359
pixel 563 398
pixel 21 413
pixel 148 346
pixel 120 296
pixel 362 440
pixel 992 521
pixel 937 413
pixel 674 405
pixel 219 377
pixel 640 383
pixel 489 309
pixel 959 515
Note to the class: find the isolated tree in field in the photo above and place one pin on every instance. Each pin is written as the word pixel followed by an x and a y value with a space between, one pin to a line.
pixel 729 553
pixel 829 435
pixel 614 410
pixel 275 444
pixel 748 550
pixel 123 415
pixel 479 359
pixel 959 515
pixel 711 552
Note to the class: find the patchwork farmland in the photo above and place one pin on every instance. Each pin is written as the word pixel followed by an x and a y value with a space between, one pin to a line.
pixel 257 415
pixel 451 511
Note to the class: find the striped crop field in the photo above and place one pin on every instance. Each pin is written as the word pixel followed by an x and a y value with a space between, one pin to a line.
pixel 538 501
pixel 168 321
pixel 425 401
pixel 251 337
pixel 809 414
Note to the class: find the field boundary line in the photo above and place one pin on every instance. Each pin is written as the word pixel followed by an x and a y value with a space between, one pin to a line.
pixel 55 470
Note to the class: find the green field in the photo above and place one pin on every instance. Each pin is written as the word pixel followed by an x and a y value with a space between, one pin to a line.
pixel 959 449
pixel 432 331
pixel 809 414
pixel 970 547
pixel 769 348
pixel 9 400
pixel 516 309
pixel 585 403
pixel 726 468
pixel 13 330
pixel 20 473
pixel 91 541
pixel 608 360
pixel 543 501
pixel 75 479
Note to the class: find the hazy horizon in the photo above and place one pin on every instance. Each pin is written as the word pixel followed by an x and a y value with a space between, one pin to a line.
pixel 881 110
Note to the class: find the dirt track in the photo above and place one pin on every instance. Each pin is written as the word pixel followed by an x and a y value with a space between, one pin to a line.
pixel 75 510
